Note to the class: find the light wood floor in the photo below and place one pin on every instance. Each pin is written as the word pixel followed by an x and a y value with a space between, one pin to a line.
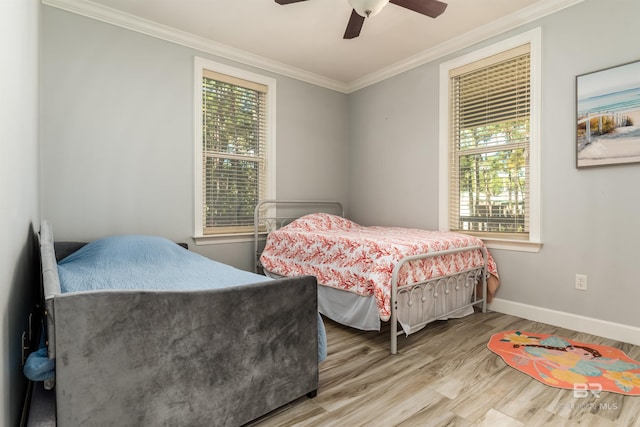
pixel 444 375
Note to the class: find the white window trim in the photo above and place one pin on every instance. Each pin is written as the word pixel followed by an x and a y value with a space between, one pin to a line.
pixel 199 65
pixel 534 37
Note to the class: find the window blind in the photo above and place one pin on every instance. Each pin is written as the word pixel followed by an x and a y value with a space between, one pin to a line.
pixel 489 145
pixel 234 120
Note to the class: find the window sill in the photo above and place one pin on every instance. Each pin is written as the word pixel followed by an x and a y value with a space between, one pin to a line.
pixel 502 244
pixel 512 245
pixel 219 239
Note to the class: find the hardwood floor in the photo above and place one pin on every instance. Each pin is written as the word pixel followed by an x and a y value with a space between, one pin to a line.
pixel 444 375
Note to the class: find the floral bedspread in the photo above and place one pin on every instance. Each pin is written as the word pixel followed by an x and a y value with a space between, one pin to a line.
pixel 359 259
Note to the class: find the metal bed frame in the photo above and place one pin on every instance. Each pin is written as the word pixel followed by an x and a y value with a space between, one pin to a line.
pixel 414 305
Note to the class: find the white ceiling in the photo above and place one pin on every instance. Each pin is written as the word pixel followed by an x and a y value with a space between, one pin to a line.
pixel 304 40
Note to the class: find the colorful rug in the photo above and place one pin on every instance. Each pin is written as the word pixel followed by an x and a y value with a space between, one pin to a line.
pixel 559 362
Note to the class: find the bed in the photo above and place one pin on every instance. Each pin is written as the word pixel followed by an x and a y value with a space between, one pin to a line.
pixel 370 275
pixel 219 353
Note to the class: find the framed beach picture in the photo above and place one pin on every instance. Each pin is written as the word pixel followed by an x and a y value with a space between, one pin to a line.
pixel 608 116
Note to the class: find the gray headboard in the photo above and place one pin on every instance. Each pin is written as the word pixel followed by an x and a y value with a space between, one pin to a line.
pixel 63 249
pixel 51 252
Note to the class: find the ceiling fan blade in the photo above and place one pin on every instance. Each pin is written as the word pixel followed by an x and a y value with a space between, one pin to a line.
pixel 288 1
pixel 432 8
pixel 354 26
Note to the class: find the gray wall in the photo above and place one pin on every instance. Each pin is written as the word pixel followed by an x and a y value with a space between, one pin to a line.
pixel 19 191
pixel 118 135
pixel 589 218
pixel 393 151
pixel 117 152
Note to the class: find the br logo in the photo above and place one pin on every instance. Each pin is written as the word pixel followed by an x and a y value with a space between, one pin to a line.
pixel 583 390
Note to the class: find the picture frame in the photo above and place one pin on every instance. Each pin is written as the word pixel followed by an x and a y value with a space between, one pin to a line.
pixel 608 116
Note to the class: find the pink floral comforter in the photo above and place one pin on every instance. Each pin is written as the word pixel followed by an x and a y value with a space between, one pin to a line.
pixel 354 258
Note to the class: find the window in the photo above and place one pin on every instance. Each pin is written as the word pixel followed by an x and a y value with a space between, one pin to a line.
pixel 489 146
pixel 234 165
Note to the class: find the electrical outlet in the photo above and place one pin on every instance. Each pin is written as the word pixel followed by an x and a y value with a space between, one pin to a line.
pixel 581 282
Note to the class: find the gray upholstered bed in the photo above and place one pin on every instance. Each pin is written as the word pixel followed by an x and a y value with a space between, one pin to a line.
pixel 196 357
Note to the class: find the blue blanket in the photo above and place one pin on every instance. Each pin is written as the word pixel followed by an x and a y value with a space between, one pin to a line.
pixel 143 263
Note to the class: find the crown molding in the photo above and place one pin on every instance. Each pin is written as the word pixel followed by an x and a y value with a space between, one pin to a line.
pixel 101 13
pixel 111 16
pixel 480 34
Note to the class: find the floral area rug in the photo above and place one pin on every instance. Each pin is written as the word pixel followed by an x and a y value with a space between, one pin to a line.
pixel 562 363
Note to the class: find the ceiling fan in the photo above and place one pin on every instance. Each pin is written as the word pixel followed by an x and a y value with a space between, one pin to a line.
pixel 367 8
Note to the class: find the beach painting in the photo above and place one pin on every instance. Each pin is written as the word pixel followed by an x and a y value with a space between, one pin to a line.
pixel 608 116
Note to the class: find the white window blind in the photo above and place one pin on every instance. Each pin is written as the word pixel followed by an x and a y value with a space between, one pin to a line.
pixel 234 152
pixel 490 102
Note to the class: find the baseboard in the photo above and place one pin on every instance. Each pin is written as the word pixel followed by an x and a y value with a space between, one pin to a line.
pixel 602 328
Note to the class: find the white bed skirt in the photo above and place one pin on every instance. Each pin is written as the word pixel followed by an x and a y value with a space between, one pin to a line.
pixel 361 312
pixel 349 309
